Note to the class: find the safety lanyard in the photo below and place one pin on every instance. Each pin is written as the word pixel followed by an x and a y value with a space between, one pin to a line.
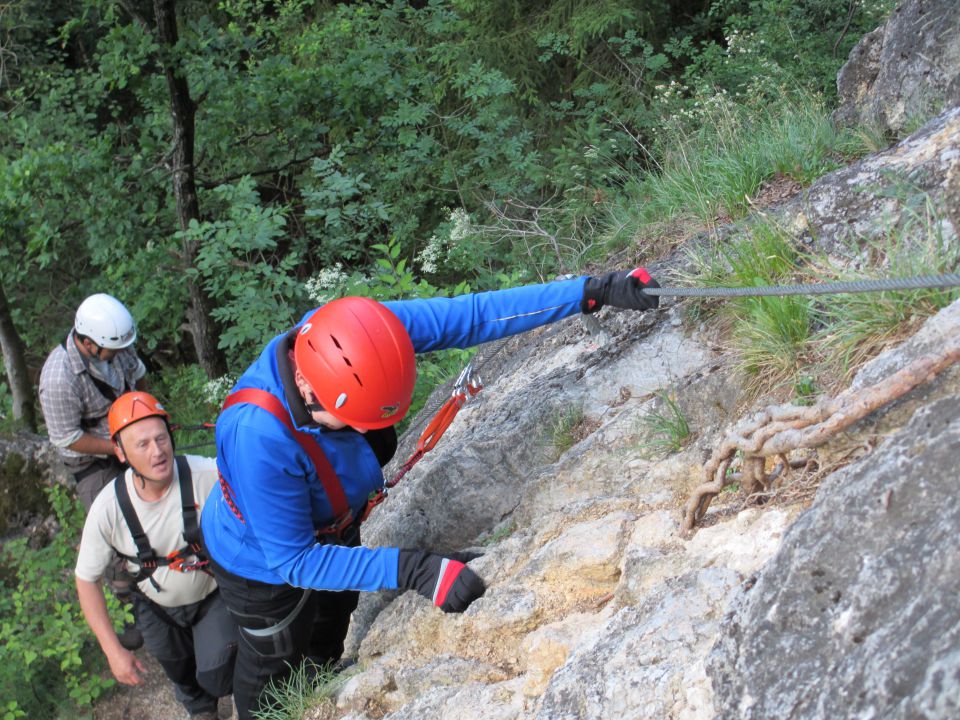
pixel 147 558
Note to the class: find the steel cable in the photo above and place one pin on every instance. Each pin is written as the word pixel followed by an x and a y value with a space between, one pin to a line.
pixel 852 286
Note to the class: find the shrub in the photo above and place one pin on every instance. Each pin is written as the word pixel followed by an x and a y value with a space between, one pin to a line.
pixel 49 660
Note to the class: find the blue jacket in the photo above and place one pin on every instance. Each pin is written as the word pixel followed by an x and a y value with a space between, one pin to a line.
pixel 274 484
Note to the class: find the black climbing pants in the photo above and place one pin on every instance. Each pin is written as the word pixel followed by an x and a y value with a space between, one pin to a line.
pixel 280 626
pixel 195 645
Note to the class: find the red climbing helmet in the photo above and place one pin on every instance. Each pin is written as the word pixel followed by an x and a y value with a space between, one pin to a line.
pixel 358 359
pixel 132 407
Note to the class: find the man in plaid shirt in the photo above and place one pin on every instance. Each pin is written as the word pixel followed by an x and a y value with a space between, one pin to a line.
pixel 80 379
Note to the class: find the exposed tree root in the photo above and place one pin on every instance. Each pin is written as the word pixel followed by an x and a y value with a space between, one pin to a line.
pixel 780 429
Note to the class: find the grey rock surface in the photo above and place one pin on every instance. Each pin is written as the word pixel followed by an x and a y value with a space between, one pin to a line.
pixel 844 211
pixel 907 69
pixel 858 614
pixel 28 464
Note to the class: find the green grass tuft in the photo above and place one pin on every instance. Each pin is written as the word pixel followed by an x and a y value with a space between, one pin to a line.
pixel 666 430
pixel 564 428
pixel 307 687
pixel 858 326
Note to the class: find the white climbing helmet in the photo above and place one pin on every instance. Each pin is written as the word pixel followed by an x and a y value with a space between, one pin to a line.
pixel 106 321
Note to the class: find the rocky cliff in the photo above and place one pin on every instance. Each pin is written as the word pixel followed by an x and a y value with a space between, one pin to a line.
pixel 832 600
pixel 838 603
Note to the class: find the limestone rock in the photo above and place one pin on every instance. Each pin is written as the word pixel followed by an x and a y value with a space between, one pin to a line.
pixel 908 68
pixel 28 463
pixel 857 615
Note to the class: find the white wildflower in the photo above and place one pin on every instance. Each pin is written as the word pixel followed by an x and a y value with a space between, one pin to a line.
pixel 325 285
pixel 215 391
pixel 462 228
pixel 432 255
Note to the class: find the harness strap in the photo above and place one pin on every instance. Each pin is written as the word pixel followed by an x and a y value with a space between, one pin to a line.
pixel 325 472
pixel 191 528
pixel 147 558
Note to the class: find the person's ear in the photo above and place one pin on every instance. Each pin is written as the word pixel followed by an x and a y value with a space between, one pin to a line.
pixel 118 451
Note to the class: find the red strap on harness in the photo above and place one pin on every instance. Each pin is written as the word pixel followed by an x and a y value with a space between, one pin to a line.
pixel 438 426
pixel 325 472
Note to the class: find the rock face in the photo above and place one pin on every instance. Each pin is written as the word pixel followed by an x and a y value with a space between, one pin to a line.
pixel 908 68
pixel 863 201
pixel 28 463
pixel 597 608
pixel 858 614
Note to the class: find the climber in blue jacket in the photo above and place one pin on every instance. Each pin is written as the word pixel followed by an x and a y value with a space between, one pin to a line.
pixel 301 442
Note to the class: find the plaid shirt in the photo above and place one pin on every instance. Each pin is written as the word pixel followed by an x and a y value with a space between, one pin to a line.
pixel 72 404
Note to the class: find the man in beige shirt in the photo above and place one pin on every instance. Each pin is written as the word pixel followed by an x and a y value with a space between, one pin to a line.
pixel 148 517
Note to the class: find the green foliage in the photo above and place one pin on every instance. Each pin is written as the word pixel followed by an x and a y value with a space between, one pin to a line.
pixel 497 534
pixel 767 43
pixel 346 215
pixel 712 174
pixel 240 264
pixel 48 657
pixel 805 390
pixel 666 430
pixel 770 334
pixel 185 392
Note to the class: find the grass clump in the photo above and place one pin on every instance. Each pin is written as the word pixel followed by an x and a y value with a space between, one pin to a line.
pixel 858 326
pixel 664 431
pixel 308 687
pixel 711 174
pixel 769 335
pixel 565 428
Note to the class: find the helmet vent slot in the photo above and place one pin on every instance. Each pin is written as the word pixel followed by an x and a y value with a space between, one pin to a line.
pixel 333 337
pixel 359 381
pixel 347 361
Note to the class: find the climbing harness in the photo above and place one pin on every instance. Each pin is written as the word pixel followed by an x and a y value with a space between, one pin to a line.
pixel 344 517
pixel 147 557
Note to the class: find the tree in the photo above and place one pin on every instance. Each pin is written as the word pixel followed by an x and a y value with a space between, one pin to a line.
pixel 14 361
pixel 183 111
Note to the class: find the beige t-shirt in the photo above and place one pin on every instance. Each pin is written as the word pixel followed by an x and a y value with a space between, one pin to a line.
pixel 162 521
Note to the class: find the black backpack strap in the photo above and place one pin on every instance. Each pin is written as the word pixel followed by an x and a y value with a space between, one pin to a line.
pixel 146 557
pixel 191 528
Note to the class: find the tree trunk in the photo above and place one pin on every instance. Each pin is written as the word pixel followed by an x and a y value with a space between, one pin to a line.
pixel 203 327
pixel 24 411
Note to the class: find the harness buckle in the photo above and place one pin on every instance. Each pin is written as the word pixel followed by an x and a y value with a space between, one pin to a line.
pixel 338 527
pixel 177 560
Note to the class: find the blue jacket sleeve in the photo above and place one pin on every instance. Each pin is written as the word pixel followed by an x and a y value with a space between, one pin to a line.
pixel 467 320
pixel 277 508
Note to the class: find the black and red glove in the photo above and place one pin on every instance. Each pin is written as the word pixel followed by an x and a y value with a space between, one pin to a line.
pixel 622 289
pixel 450 584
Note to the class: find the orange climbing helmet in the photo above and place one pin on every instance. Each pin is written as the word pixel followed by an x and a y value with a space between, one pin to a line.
pixel 358 359
pixel 132 407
